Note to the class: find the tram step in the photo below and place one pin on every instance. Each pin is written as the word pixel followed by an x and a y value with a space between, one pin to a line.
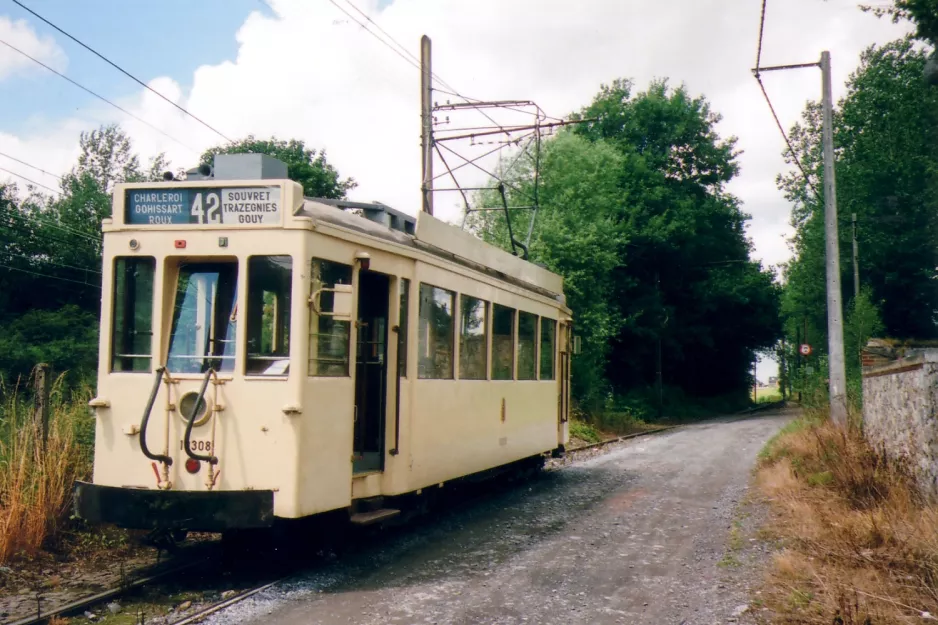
pixel 375 516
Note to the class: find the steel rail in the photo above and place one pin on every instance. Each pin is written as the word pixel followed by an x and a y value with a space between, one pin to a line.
pixel 221 605
pixel 95 599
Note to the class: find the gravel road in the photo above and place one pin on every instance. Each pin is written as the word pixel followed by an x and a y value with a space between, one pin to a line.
pixel 651 530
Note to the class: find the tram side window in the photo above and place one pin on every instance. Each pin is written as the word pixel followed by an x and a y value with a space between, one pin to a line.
pixel 132 327
pixel 503 342
pixel 402 334
pixel 527 346
pixel 268 320
pixel 436 333
pixel 548 347
pixel 204 318
pixel 328 336
pixel 472 344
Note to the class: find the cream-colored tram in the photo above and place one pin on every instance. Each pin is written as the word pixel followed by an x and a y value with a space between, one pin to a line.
pixel 265 355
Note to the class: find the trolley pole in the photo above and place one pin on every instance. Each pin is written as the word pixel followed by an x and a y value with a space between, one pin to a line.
pixel 835 329
pixel 426 125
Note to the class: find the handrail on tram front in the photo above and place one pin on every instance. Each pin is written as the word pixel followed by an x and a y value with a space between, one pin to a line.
pixel 190 420
pixel 146 419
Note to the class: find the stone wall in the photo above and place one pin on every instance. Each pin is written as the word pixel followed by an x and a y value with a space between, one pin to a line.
pixel 900 406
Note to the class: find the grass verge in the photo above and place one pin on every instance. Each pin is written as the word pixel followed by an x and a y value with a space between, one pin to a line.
pixel 859 544
pixel 36 478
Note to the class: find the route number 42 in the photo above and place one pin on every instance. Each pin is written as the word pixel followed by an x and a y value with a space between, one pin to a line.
pixel 208 213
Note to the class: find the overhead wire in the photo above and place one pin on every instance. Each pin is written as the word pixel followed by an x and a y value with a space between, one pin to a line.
pixel 51 277
pixel 123 71
pixel 98 96
pixel 10 211
pixel 29 180
pixel 52 262
pixel 791 149
pixel 13 158
pixel 404 53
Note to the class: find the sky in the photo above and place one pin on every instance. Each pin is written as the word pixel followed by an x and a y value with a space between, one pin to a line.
pixel 305 69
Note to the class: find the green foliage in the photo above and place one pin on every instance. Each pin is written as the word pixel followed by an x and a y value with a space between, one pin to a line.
pixel 923 13
pixel 304 165
pixel 886 141
pixel 634 215
pixel 66 338
pixel 584 431
pixel 886 136
pixel 50 257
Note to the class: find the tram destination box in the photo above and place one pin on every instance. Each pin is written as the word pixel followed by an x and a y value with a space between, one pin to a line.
pixel 196 206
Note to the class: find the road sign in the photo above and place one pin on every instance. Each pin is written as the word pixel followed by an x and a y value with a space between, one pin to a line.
pixel 805 349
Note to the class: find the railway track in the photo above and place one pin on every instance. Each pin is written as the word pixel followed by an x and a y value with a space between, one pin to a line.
pixel 269 580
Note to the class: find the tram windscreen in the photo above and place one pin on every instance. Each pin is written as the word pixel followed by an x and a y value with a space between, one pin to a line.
pixel 204 318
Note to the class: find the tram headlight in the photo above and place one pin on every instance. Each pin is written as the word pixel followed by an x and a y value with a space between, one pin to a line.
pixel 187 403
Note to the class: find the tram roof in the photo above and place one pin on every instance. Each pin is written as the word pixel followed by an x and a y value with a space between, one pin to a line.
pixel 433 236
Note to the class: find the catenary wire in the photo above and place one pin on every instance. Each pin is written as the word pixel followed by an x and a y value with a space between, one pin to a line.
pixel 10 211
pixel 411 61
pixel 13 158
pixel 52 277
pixel 121 70
pixel 29 180
pixel 768 101
pixel 100 97
pixel 53 263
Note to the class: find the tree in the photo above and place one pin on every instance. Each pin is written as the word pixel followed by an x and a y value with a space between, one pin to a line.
pixel 886 142
pixel 304 165
pixel 634 215
pixel 922 13
pixel 50 260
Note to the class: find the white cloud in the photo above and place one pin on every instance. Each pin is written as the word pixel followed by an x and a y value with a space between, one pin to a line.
pixel 19 34
pixel 313 74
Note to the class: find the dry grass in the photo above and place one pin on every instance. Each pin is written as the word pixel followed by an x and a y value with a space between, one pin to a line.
pixel 861 545
pixel 36 480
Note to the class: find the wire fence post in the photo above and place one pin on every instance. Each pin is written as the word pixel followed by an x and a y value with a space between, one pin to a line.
pixel 43 387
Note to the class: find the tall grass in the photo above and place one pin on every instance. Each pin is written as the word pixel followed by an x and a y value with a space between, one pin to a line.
pixel 860 542
pixel 36 478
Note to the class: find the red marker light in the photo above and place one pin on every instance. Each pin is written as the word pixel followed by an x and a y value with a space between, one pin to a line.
pixel 180 244
pixel 193 465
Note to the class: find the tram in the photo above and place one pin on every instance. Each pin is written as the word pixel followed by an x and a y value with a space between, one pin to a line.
pixel 264 355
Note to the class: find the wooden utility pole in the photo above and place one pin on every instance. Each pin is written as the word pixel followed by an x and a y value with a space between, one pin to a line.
pixel 43 388
pixel 835 330
pixel 426 125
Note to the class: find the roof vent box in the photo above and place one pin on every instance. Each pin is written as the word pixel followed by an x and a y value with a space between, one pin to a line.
pixel 249 167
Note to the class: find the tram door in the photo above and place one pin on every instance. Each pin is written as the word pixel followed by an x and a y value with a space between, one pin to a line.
pixel 563 399
pixel 371 371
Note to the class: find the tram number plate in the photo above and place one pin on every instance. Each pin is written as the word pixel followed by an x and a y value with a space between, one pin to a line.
pixel 195 445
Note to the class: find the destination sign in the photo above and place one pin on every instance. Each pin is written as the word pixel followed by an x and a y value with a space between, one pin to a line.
pixel 236 206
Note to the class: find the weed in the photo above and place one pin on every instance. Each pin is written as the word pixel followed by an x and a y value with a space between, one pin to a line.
pixel 584 431
pixel 861 543
pixel 729 561
pixel 36 478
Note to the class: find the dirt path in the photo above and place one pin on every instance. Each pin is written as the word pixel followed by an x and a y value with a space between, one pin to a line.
pixel 651 531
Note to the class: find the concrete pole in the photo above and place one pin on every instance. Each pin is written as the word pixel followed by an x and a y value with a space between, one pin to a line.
pixel 835 330
pixel 426 125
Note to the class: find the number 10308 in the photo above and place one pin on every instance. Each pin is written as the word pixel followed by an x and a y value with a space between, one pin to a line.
pixel 196 445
